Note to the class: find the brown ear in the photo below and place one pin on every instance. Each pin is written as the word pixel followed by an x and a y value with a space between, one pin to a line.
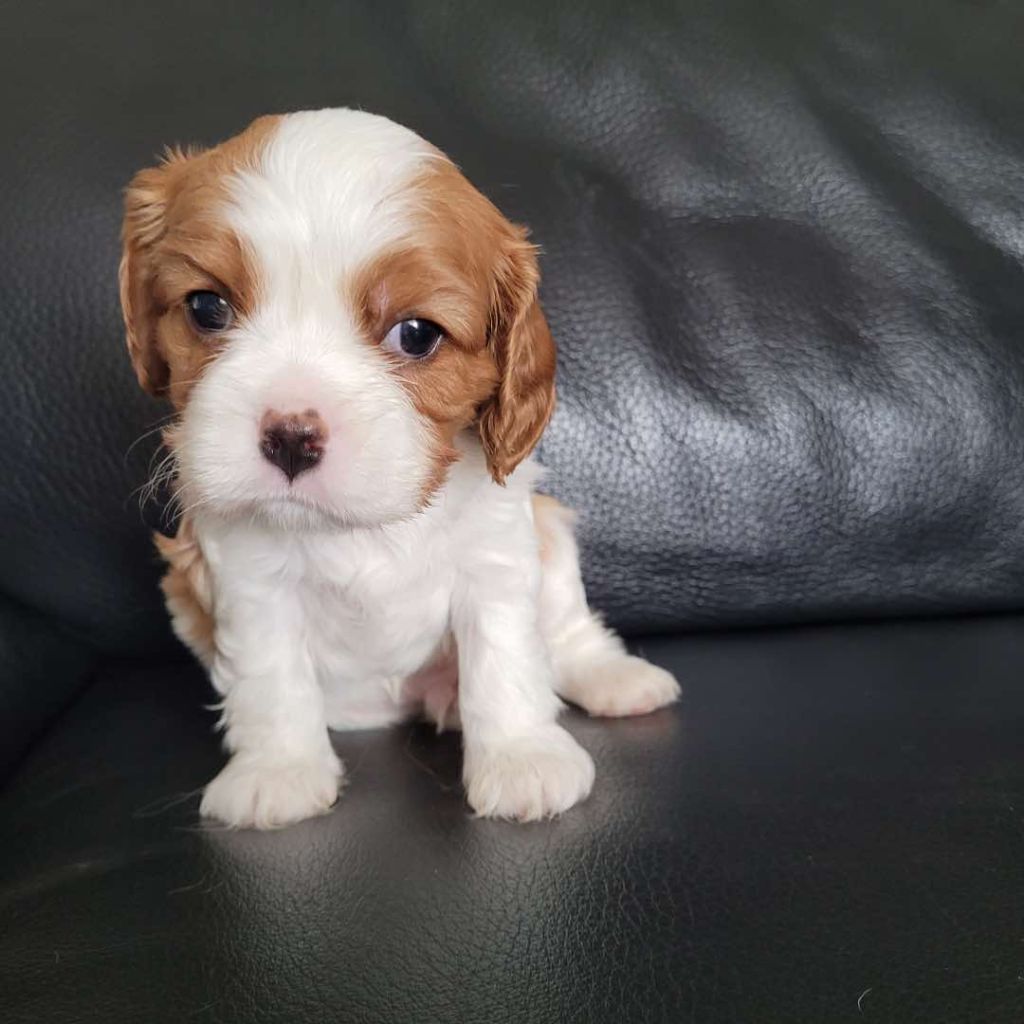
pixel 145 207
pixel 513 420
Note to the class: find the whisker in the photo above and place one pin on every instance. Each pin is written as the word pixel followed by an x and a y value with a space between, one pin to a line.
pixel 158 427
pixel 155 467
pixel 162 474
pixel 187 510
pixel 148 487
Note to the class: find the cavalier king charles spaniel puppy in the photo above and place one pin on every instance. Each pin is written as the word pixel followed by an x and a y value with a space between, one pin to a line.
pixel 350 336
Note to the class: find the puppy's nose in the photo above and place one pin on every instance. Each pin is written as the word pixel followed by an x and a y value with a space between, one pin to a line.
pixel 294 442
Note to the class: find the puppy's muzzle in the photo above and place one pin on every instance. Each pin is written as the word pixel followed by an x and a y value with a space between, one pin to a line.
pixel 294 442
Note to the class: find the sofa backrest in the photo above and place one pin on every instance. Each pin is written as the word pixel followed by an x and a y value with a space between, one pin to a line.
pixel 782 259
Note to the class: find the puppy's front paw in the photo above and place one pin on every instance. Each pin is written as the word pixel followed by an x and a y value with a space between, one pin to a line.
pixel 256 793
pixel 529 777
pixel 621 686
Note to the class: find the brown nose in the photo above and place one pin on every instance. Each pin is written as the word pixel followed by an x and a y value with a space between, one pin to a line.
pixel 293 442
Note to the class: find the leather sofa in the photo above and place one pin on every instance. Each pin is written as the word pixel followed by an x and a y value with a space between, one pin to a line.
pixel 783 256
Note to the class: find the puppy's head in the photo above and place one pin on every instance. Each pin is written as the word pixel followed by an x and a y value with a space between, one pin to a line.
pixel 327 301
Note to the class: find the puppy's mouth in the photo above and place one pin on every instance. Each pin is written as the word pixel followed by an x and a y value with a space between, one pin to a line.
pixel 293 494
pixel 292 508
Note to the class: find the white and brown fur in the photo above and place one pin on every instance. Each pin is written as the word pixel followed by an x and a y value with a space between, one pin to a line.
pixel 412 570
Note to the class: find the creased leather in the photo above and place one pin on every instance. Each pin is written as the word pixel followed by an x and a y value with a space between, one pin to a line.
pixel 781 259
pixel 41 670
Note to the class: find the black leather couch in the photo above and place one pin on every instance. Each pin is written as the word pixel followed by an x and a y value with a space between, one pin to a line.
pixel 783 260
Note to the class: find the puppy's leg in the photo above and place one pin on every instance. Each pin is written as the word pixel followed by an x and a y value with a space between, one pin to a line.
pixel 592 667
pixel 186 587
pixel 519 763
pixel 435 689
pixel 282 766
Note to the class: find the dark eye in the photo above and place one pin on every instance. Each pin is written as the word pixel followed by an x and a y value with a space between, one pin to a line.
pixel 413 338
pixel 209 312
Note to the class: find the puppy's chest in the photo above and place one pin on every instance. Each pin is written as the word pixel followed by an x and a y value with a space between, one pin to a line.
pixel 372 610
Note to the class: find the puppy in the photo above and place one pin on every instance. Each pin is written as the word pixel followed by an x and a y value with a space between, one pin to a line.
pixel 350 335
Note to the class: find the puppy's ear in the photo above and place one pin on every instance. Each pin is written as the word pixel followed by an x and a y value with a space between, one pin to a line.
pixel 145 208
pixel 514 418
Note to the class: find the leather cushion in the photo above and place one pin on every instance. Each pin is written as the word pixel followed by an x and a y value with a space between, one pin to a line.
pixel 41 670
pixel 781 260
pixel 830 818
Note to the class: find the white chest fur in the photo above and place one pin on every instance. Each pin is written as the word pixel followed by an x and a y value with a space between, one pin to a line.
pixel 363 610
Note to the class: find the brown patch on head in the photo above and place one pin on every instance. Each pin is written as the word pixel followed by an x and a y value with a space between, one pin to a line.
pixel 428 280
pixel 468 269
pixel 175 241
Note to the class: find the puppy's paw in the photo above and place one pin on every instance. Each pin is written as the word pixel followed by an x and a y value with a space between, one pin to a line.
pixel 258 793
pixel 529 777
pixel 621 686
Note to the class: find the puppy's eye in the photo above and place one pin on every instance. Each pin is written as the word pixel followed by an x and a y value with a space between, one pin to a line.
pixel 209 312
pixel 413 338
